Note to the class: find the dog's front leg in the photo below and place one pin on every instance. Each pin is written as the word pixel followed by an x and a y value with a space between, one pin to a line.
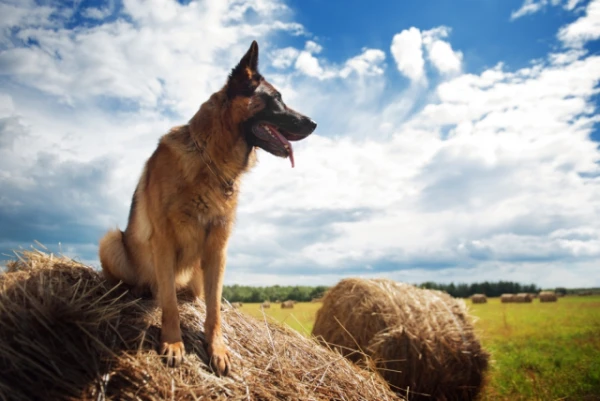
pixel 170 336
pixel 213 264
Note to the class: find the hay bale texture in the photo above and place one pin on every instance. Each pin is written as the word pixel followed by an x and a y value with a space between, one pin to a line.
pixel 421 341
pixel 65 334
pixel 287 305
pixel 507 298
pixel 523 298
pixel 548 296
pixel 478 299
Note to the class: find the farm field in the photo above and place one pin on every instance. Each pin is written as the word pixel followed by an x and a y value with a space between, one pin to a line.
pixel 540 351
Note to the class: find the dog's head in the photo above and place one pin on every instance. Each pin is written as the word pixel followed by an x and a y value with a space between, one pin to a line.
pixel 264 118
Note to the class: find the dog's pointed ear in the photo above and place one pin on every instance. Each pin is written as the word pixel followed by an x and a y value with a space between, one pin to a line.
pixel 244 77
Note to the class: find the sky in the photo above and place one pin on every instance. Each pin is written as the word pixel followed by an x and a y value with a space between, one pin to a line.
pixel 457 140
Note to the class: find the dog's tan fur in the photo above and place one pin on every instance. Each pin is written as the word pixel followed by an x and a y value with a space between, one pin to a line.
pixel 181 217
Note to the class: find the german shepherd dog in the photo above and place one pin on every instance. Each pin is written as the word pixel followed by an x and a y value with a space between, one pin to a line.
pixel 184 205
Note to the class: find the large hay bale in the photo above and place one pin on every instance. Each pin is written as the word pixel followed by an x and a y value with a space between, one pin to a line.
pixel 66 334
pixel 265 305
pixel 522 298
pixel 421 341
pixel 287 305
pixel 478 299
pixel 507 298
pixel 548 296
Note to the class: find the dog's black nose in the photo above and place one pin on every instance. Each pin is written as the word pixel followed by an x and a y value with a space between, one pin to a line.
pixel 312 124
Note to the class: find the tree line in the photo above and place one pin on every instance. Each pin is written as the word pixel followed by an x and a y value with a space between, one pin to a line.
pixel 490 289
pixel 242 293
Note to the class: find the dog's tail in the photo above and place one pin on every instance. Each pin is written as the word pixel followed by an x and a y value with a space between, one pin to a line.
pixel 113 257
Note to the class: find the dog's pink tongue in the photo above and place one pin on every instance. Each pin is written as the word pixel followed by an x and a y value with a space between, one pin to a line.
pixel 292 155
pixel 287 145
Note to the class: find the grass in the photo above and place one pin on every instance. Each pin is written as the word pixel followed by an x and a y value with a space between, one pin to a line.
pixel 540 351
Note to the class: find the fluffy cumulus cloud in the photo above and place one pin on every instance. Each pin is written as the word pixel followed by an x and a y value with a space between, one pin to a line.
pixel 407 49
pixel 440 52
pixel 412 47
pixel 492 176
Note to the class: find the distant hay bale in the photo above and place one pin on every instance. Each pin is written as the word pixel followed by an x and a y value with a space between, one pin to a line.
pixel 421 341
pixel 507 298
pixel 287 305
pixel 522 298
pixel 237 305
pixel 65 334
pixel 315 300
pixel 548 296
pixel 265 305
pixel 478 299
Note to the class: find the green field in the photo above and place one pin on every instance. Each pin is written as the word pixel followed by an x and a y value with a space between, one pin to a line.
pixel 540 351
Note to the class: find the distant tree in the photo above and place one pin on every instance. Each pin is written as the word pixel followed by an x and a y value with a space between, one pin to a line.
pixel 561 290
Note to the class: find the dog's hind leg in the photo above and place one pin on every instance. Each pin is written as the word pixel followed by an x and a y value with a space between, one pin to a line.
pixel 196 284
pixel 164 267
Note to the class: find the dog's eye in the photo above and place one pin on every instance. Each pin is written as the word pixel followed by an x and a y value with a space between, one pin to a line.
pixel 278 97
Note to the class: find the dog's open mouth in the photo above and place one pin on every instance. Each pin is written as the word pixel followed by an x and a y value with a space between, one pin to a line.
pixel 274 141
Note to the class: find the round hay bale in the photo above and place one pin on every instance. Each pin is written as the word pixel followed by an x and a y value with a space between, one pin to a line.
pixel 265 305
pixel 478 299
pixel 237 305
pixel 507 298
pixel 421 341
pixel 548 296
pixel 287 305
pixel 522 298
pixel 65 334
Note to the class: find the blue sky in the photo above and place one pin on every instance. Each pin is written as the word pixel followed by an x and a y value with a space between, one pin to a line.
pixel 457 140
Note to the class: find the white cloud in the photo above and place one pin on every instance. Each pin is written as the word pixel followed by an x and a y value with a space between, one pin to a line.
pixel 97 13
pixel 369 63
pixel 408 52
pixel 284 58
pixel 313 47
pixel 309 65
pixel 571 4
pixel 528 7
pixel 533 6
pixel 584 29
pixel 440 53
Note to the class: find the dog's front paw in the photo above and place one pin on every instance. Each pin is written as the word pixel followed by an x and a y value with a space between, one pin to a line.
pixel 173 352
pixel 220 362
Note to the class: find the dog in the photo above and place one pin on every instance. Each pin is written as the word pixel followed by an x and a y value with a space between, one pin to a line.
pixel 184 205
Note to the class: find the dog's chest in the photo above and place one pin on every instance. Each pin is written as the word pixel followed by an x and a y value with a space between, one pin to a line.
pixel 206 205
